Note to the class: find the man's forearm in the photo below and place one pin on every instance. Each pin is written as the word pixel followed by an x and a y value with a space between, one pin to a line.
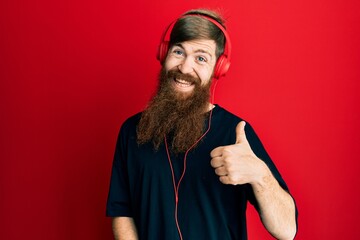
pixel 276 206
pixel 124 228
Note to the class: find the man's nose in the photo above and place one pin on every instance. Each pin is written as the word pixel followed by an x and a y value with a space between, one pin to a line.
pixel 186 66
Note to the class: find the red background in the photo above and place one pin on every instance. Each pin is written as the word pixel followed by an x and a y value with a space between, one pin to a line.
pixel 72 71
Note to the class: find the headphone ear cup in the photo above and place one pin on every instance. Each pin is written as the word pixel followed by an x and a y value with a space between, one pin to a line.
pixel 222 66
pixel 162 51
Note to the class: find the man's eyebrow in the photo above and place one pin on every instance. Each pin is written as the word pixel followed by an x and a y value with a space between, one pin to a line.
pixel 178 45
pixel 196 51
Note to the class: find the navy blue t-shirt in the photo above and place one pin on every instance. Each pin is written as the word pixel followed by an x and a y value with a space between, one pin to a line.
pixel 142 187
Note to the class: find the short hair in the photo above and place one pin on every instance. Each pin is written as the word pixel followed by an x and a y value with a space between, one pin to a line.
pixel 189 28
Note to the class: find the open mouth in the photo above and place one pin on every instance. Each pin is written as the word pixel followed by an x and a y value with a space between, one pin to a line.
pixel 182 83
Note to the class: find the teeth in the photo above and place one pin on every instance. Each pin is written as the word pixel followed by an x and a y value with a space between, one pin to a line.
pixel 183 82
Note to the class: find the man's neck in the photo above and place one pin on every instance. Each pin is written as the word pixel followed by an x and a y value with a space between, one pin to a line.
pixel 210 107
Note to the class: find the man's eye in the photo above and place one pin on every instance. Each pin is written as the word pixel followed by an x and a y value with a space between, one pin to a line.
pixel 178 52
pixel 201 59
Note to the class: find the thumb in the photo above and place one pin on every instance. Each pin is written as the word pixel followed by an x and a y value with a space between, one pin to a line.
pixel 240 132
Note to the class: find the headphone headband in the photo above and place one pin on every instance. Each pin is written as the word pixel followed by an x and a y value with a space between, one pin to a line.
pixel 223 62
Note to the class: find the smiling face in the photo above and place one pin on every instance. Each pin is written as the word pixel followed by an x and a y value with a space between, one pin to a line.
pixel 194 61
pixel 181 105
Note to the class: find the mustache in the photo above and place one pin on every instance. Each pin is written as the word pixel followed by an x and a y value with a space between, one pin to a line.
pixel 175 74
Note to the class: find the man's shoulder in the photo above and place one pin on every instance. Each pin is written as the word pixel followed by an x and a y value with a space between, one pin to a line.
pixel 132 121
pixel 130 124
pixel 226 115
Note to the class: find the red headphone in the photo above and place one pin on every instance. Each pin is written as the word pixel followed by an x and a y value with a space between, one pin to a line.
pixel 223 62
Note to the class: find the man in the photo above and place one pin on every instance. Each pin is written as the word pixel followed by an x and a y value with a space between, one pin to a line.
pixel 185 168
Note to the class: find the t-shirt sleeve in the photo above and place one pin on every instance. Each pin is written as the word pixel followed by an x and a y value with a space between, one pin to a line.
pixel 118 202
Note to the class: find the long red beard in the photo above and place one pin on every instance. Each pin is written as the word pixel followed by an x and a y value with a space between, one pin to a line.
pixel 180 117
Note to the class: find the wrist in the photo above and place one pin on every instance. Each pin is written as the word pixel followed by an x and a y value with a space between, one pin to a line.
pixel 264 176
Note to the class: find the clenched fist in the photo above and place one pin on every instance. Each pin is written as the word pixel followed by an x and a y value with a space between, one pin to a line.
pixel 237 163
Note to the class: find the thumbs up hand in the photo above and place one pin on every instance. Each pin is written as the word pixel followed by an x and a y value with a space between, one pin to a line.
pixel 237 163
